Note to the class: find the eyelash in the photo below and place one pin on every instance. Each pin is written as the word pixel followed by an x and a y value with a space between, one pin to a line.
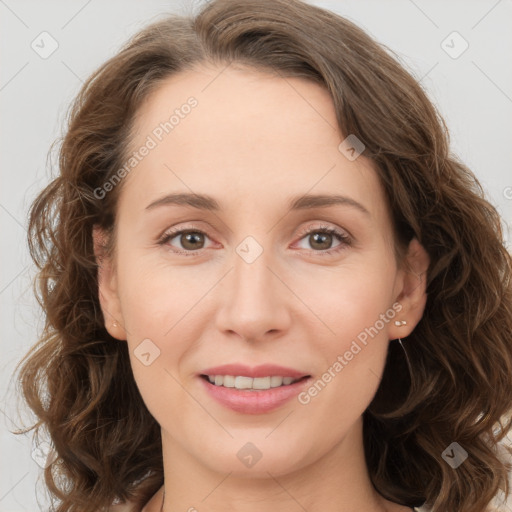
pixel 344 239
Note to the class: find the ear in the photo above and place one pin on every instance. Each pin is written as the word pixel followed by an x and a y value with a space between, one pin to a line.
pixel 412 295
pixel 107 287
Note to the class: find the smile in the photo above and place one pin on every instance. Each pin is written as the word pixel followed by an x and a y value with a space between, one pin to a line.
pixel 249 383
pixel 249 395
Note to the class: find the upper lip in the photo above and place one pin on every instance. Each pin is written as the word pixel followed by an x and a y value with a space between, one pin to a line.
pixel 263 370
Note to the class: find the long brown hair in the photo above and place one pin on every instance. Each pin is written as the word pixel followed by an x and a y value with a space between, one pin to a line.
pixel 77 379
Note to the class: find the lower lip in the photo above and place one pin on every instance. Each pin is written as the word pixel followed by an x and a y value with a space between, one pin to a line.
pixel 254 402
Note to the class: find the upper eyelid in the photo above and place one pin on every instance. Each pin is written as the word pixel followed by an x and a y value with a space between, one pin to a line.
pixel 309 228
pixel 305 229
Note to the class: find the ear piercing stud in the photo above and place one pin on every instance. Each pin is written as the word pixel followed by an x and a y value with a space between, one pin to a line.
pixel 399 323
pixel 114 324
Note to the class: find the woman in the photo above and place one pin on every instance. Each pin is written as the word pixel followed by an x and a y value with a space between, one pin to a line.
pixel 268 284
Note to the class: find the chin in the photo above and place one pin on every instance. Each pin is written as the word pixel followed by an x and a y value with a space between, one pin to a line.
pixel 252 460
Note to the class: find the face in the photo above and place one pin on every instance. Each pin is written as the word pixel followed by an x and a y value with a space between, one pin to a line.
pixel 256 274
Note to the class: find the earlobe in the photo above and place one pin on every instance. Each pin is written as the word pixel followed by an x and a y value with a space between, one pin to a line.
pixel 413 296
pixel 107 287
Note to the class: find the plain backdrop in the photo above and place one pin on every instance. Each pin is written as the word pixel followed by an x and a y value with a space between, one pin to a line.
pixel 473 91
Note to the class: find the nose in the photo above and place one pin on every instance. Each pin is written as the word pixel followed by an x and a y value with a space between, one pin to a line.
pixel 255 300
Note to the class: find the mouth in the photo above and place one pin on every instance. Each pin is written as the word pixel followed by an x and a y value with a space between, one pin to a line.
pixel 252 384
pixel 252 395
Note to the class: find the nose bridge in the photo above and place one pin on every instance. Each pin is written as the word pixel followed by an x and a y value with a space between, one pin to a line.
pixel 252 279
pixel 251 267
pixel 254 300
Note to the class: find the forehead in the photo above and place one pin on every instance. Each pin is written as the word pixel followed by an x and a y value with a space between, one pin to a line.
pixel 242 109
pixel 249 135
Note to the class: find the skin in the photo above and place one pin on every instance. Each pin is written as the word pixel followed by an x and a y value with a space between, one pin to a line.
pixel 254 141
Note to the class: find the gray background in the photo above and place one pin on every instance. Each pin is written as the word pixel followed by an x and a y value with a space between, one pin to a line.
pixel 473 93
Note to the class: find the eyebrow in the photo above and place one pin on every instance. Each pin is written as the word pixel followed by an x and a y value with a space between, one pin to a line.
pixel 305 202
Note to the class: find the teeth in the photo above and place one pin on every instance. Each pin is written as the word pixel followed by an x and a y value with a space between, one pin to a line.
pixel 275 381
pixel 242 382
pixel 229 381
pixel 261 383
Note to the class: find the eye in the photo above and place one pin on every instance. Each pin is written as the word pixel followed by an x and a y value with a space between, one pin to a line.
pixel 321 239
pixel 191 240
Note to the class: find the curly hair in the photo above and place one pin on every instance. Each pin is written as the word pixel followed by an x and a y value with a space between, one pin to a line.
pixel 455 386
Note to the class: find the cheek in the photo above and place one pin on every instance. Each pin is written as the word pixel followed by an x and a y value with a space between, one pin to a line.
pixel 154 296
pixel 347 301
pixel 160 319
pixel 354 305
pixel 353 350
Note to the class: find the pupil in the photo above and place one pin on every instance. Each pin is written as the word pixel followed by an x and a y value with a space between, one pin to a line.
pixel 322 236
pixel 190 238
